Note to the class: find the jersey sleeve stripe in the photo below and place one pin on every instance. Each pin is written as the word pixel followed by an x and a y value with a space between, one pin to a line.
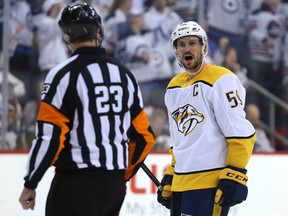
pixel 240 151
pixel 145 142
pixel 47 113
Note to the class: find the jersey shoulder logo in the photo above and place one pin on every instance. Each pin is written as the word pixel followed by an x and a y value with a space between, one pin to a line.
pixel 187 118
pixel 45 89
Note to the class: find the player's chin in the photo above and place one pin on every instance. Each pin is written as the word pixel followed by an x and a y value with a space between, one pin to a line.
pixel 188 64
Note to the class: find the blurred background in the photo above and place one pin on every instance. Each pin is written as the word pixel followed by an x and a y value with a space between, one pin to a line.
pixel 249 37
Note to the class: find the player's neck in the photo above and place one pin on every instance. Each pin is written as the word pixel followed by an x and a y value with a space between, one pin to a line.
pixel 192 73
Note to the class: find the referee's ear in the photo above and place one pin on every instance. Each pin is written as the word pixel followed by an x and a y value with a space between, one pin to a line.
pixel 99 37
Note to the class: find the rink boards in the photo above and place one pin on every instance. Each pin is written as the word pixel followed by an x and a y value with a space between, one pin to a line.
pixel 267 184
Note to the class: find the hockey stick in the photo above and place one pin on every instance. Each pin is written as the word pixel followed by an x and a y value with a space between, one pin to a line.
pixel 151 176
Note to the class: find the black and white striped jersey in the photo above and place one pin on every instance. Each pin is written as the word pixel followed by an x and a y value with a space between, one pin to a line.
pixel 91 116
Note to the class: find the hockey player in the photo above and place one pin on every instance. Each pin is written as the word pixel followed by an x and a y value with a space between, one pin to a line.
pixel 91 126
pixel 211 141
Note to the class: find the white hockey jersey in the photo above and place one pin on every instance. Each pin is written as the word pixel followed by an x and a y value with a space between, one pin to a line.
pixel 264 24
pixel 208 127
pixel 228 16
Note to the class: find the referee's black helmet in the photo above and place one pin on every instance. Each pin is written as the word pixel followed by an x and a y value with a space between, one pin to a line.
pixel 79 22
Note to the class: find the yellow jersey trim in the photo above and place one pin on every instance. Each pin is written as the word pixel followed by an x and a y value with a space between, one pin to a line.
pixel 195 181
pixel 209 74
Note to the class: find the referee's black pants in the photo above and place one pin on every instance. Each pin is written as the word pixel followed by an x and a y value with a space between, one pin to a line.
pixel 86 195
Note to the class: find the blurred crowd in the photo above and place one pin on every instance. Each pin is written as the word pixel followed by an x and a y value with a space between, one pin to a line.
pixel 249 37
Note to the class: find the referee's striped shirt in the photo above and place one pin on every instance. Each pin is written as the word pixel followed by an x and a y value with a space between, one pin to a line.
pixel 91 116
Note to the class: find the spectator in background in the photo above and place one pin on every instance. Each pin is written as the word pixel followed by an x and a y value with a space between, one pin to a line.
pixel 14 116
pixel 285 66
pixel 140 52
pixel 11 133
pixel 158 121
pixel 117 14
pixel 282 10
pixel 226 19
pixel 16 87
pixel 19 86
pixel 30 111
pixel 17 108
pixel 160 11
pixel 265 35
pixel 231 62
pixel 23 62
pixel 16 27
pixel 103 6
pixel 51 47
pixel 156 72
pixel 187 9
pixel 223 43
pixel 262 144
pixel 227 56
pixel 138 5
pixel 164 17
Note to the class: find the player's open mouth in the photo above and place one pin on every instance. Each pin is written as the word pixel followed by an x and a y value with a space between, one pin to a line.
pixel 187 58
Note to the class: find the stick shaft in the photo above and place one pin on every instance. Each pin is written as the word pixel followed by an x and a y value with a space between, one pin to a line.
pixel 151 176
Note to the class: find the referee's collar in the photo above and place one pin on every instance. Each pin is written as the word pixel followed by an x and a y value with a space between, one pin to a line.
pixel 88 50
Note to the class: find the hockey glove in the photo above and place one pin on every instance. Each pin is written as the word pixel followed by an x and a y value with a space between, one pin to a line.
pixel 164 195
pixel 231 189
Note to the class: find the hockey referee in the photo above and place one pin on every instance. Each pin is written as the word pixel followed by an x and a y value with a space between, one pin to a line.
pixel 91 126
